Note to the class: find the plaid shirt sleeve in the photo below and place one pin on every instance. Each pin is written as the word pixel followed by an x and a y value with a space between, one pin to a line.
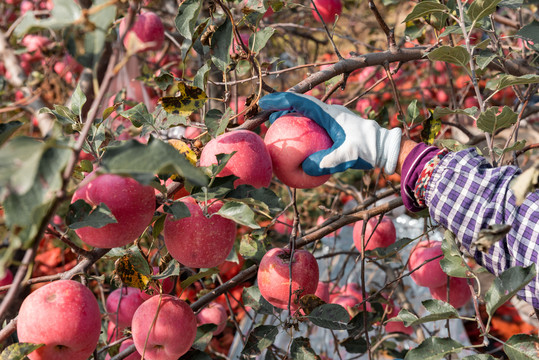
pixel 466 194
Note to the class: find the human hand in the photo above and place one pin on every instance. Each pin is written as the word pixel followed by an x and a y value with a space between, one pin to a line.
pixel 358 143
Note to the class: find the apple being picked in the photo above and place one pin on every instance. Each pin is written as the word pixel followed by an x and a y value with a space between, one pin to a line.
pixel 327 9
pixel 290 140
pixel 251 162
pixel 214 313
pixel 63 315
pixel 147 33
pixel 199 241
pixel 131 203
pixel 121 305
pixel 274 276
pixel 164 328
pixel 431 274
pixel 384 235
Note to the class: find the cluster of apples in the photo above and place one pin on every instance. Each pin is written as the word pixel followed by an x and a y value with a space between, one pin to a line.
pixel 432 276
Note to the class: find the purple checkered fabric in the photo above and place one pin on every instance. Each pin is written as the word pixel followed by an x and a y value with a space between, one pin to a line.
pixel 466 194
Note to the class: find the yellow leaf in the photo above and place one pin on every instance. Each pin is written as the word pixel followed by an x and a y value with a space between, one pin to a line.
pixel 431 129
pixel 184 149
pixel 126 271
pixel 190 100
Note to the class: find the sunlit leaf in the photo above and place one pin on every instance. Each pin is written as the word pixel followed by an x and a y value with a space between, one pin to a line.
pixel 434 348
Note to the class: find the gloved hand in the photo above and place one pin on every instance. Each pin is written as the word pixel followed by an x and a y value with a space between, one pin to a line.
pixel 358 143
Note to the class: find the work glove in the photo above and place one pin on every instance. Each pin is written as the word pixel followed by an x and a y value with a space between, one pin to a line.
pixel 358 143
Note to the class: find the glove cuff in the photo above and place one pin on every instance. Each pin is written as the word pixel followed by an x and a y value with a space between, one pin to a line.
pixel 388 149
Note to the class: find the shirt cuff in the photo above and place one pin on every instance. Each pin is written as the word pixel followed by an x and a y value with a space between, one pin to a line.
pixel 413 165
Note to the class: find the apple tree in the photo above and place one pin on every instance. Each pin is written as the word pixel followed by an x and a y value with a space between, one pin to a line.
pixel 139 173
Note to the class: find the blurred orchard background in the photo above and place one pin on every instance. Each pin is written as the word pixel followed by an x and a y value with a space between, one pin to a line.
pixel 139 88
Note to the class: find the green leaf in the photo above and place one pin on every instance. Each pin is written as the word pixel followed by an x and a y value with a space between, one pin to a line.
pixel 525 183
pixel 511 4
pixel 201 77
pixel 440 112
pixel 164 80
pixel 195 354
pixel 434 348
pixel 530 32
pixel 258 40
pixel 8 129
pixel 382 253
pixel 489 121
pixel 220 45
pixel 271 201
pixel 81 214
pixel 204 336
pixel 259 339
pixel 187 16
pixel 330 316
pixel 78 99
pixel 157 157
pixel 425 8
pixel 413 112
pixel 522 347
pixel 452 263
pixel 216 121
pixel 138 115
pixel 451 144
pixel 251 297
pixel 457 55
pixel 356 345
pixel 240 213
pixel 194 278
pixel 63 114
pixel 251 248
pixel 18 351
pixel 479 357
pixel 506 80
pixel 484 57
pixel 222 160
pixel 507 285
pixel 519 145
pixel 178 209
pixel 439 310
pixel 172 269
pixel 158 226
pixel 301 349
pixel 481 8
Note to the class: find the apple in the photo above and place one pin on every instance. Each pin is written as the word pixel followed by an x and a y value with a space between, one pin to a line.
pixel 147 33
pixel 63 315
pixel 274 276
pixel 241 106
pixel 321 220
pixel 251 162
pixel 199 241
pixel 459 292
pixel 131 203
pixel 164 328
pixel 283 225
pixel 191 132
pixel 290 140
pixel 327 9
pixel 7 278
pixel 430 274
pixel 353 289
pixel 35 44
pixel 213 313
pixel 384 235
pixel 121 305
pixel 167 284
pixel 322 291
pixel 114 332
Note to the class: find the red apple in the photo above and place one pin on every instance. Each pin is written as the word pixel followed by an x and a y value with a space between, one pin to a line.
pixel 321 220
pixel 199 241
pixel 125 344
pixel 274 276
pixel 121 305
pixel 283 225
pixel 241 106
pixel 348 302
pixel 430 274
pixel 191 132
pixel 251 162
pixel 355 290
pixel 327 9
pixel 7 278
pixel 147 33
pixel 131 203
pixel 290 140
pixel 384 235
pixel 459 292
pixel 114 332
pixel 63 315
pixel 322 291
pixel 214 313
pixel 164 328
